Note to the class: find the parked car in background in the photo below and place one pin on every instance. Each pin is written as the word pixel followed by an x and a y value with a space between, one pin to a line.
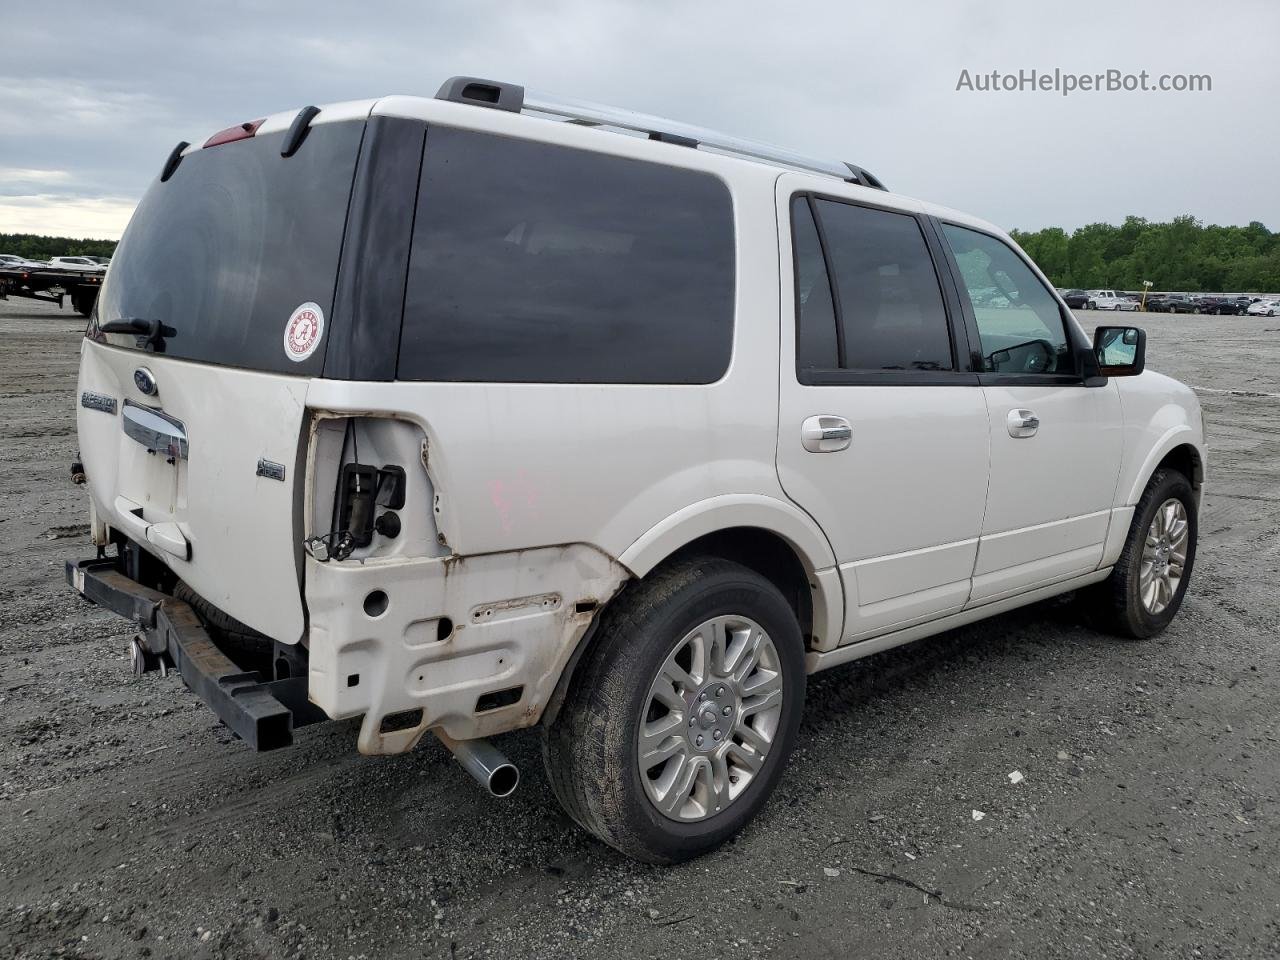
pixel 1223 306
pixel 1264 308
pixel 1173 303
pixel 11 261
pixel 1109 300
pixel 76 263
pixel 1077 299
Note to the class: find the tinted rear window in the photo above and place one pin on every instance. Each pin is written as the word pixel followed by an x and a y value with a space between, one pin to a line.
pixel 539 263
pixel 238 238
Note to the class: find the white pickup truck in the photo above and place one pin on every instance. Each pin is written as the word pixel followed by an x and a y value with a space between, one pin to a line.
pixel 1110 300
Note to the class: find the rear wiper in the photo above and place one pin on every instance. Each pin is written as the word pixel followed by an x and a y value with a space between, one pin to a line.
pixel 151 333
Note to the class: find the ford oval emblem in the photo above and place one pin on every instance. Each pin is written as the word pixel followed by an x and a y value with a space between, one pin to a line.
pixel 145 381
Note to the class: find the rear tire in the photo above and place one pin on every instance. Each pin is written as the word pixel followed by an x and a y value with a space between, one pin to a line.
pixel 1137 600
pixel 620 693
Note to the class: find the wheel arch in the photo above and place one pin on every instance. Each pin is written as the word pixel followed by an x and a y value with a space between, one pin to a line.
pixel 1186 459
pixel 774 538
pixel 1177 450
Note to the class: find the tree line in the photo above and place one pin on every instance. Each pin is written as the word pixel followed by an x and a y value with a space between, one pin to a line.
pixel 35 247
pixel 1184 255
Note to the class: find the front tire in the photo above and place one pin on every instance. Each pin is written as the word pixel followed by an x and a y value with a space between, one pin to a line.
pixel 681 717
pixel 1147 585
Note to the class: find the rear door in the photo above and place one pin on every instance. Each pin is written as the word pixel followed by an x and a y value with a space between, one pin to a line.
pixel 882 433
pixel 1055 443
pixel 191 426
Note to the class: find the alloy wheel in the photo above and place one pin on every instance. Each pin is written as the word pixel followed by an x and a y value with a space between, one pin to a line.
pixel 710 718
pixel 1164 556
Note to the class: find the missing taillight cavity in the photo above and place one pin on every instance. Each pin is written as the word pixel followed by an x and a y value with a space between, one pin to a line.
pixel 241 131
pixel 358 486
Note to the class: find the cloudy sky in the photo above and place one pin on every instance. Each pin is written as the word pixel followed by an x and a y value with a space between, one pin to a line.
pixel 93 95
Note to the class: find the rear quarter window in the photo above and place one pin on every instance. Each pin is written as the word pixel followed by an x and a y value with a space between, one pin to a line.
pixel 533 262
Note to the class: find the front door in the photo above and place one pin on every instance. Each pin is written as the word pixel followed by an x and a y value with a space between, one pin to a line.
pixel 883 437
pixel 1055 443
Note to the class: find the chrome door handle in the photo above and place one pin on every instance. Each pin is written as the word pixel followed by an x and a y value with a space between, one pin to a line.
pixel 1022 423
pixel 825 434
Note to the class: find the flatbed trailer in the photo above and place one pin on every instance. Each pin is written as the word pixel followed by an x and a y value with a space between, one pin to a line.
pixel 53 285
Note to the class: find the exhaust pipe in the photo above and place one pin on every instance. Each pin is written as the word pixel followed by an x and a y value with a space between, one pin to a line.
pixel 485 762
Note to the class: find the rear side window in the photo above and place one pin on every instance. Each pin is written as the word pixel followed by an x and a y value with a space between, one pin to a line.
pixel 227 250
pixel 816 346
pixel 890 305
pixel 539 263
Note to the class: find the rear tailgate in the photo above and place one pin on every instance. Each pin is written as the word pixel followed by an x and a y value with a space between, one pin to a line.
pixel 213 319
pixel 220 523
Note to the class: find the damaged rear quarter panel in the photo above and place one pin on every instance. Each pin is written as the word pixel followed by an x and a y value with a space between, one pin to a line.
pixel 512 620
pixel 537 488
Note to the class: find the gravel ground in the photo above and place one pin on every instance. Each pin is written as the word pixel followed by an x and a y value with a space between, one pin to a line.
pixel 134 825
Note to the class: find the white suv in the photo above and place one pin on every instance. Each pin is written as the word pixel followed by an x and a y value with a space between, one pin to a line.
pixel 475 419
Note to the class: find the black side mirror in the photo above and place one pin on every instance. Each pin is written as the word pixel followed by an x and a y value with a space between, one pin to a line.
pixel 1121 351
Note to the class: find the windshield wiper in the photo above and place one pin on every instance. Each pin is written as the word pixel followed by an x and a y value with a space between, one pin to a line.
pixel 151 333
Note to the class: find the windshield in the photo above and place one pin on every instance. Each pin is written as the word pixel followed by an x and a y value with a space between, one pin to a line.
pixel 238 245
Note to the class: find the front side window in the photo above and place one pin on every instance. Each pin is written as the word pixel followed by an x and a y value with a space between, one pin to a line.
pixel 1019 324
pixel 538 263
pixel 891 313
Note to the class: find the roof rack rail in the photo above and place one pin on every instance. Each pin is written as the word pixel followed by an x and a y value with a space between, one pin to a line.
pixel 509 96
